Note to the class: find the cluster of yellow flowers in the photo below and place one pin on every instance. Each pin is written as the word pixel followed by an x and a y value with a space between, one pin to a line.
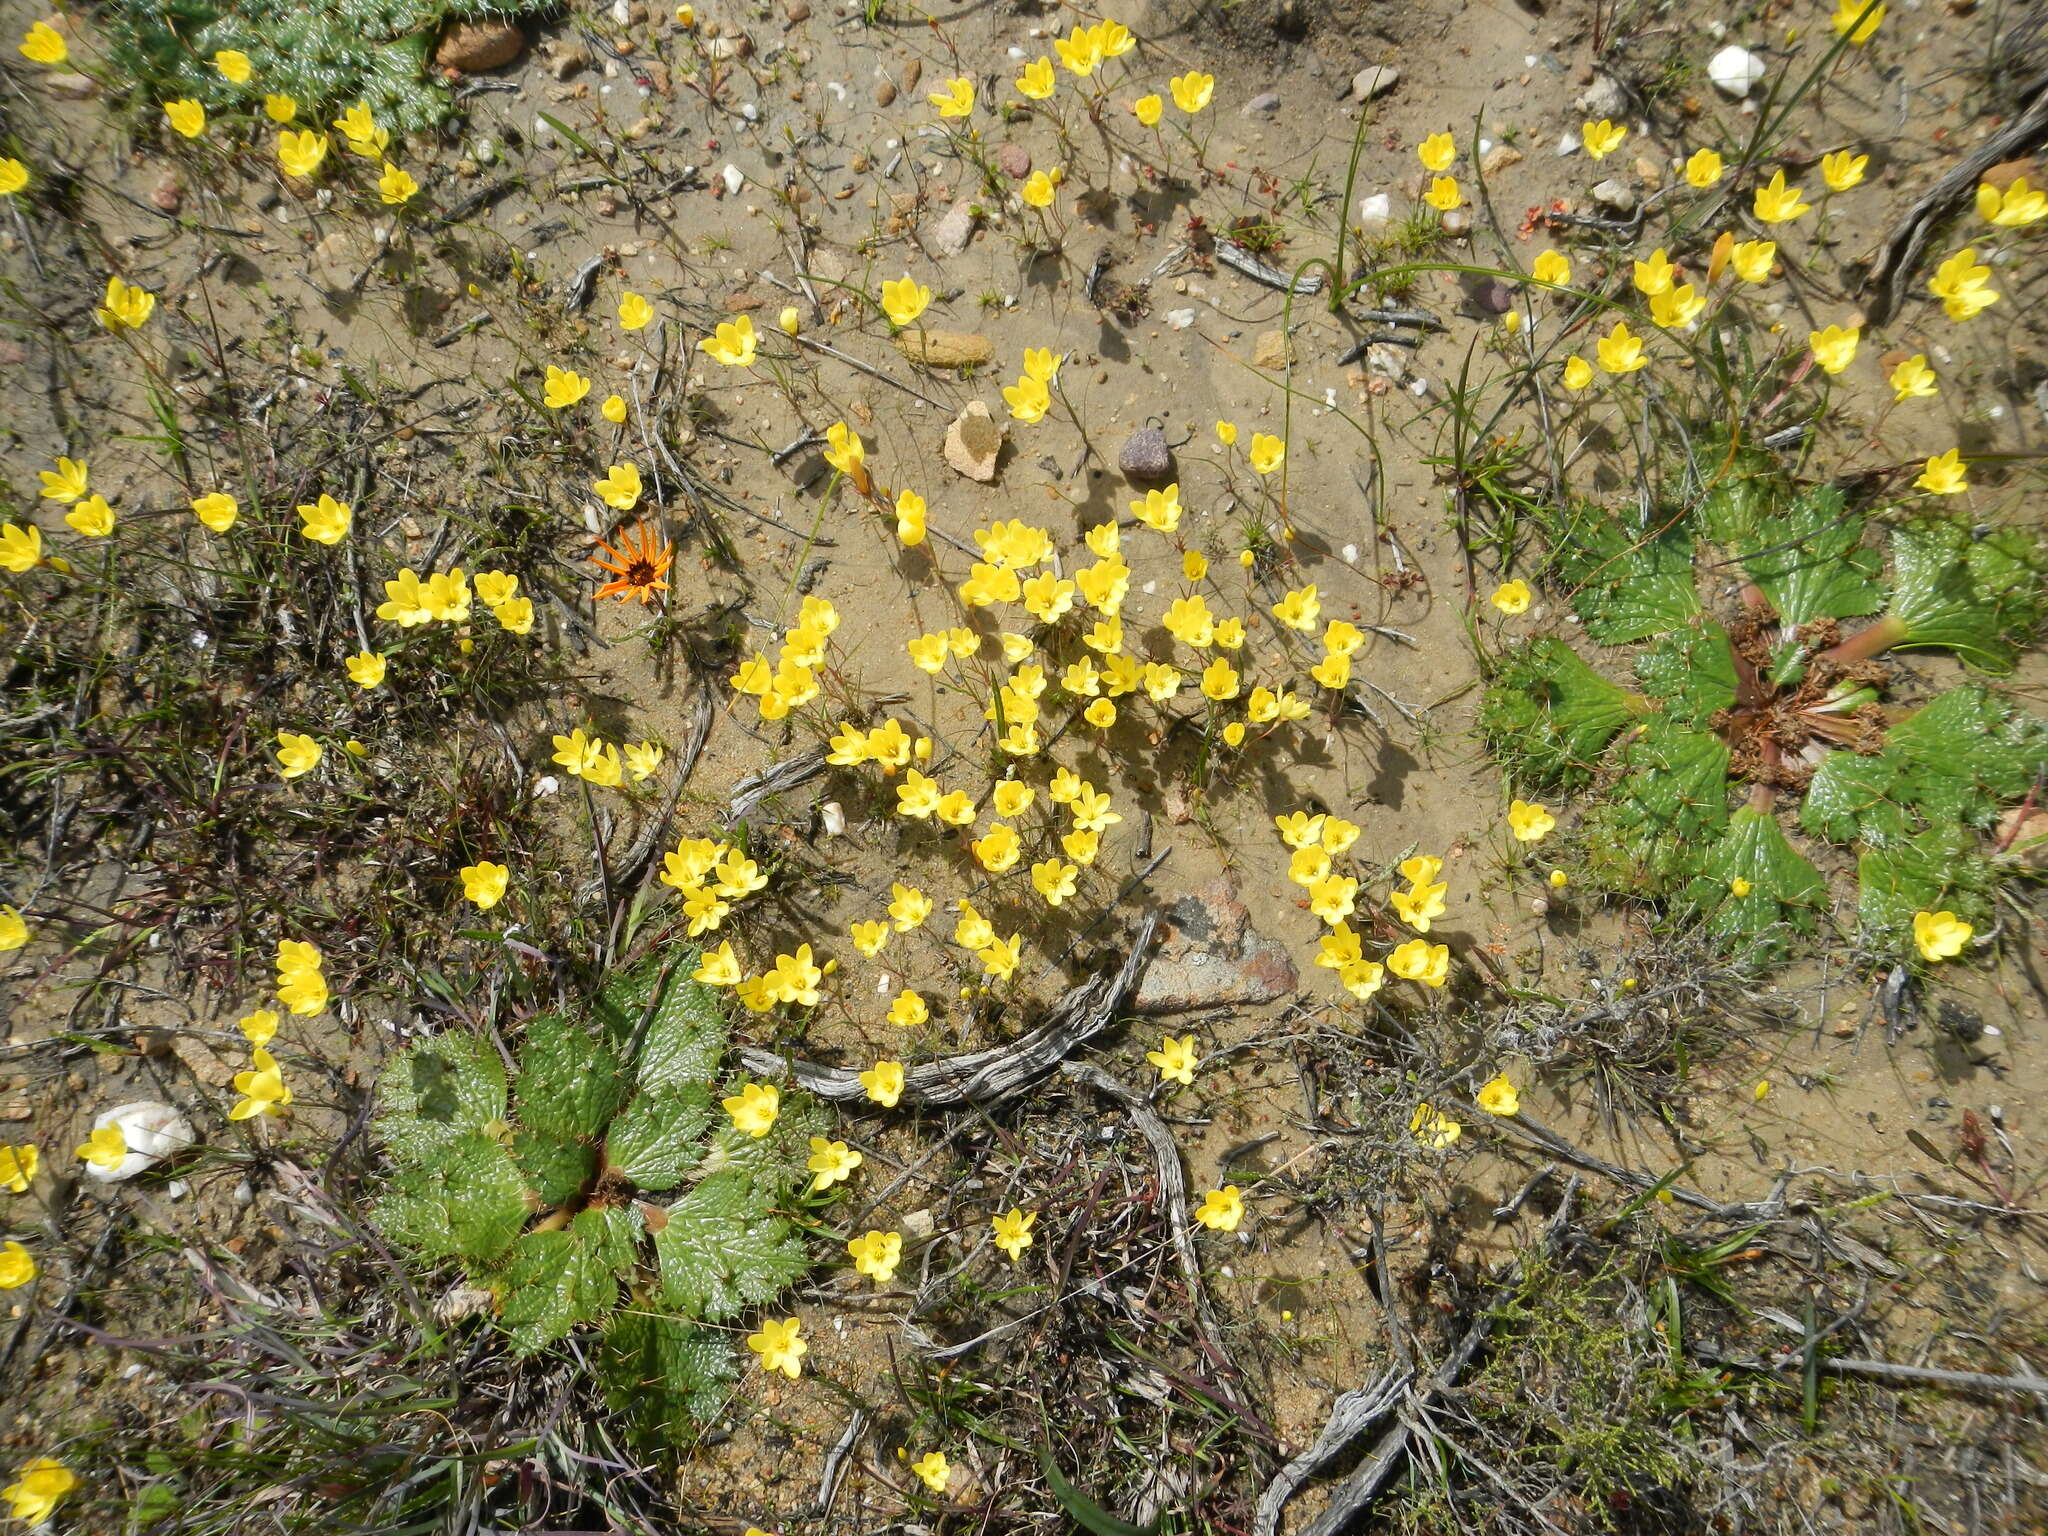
pixel 18 1167
pixel 1317 841
pixel 301 981
pixel 793 681
pixel 597 761
pixel 262 1088
pixel 711 876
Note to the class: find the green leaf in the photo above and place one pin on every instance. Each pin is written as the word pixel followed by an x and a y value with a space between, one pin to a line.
pixel 612 1234
pixel 1083 1510
pixel 553 1281
pixel 1746 485
pixel 1939 603
pixel 663 1375
pixel 1691 670
pixel 1549 715
pixel 466 1199
pixel 1851 798
pixel 1667 800
pixel 1966 752
pixel 660 1136
pixel 1811 562
pixel 1785 891
pixel 1628 586
pixel 556 1168
pixel 686 1038
pixel 723 1251
pixel 1938 870
pixel 439 1088
pixel 570 1084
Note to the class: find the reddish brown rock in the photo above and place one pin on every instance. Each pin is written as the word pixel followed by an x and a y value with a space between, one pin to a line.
pixel 1213 956
pixel 474 46
pixel 1013 160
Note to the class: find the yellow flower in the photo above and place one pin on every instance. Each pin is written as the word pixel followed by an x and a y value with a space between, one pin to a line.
pixel 1602 138
pixel 13 176
pixel 395 185
pixel 188 117
pixel 217 510
pixel 908 1009
pixel 877 1254
pixel 869 938
pixel 1054 880
pixel 1421 961
pixel 325 521
pixel 484 883
pixel 1435 1131
pixel 1114 39
pixel 1013 1232
pixel 831 1161
pixel 1148 110
pixel 1220 681
pixel 754 1108
pixel 1267 453
pixel 1338 835
pixel 1498 1097
pixel 614 409
pixel 956 100
pixel 1578 373
pixel 44 44
pixel 1944 474
pixel 1037 81
pixel 719 967
pixel 1654 276
pixel 1221 1209
pixel 233 65
pixel 296 754
pixel 1437 152
pixel 1443 194
pixel 1962 285
pixel 1028 399
pixel 1834 348
pixel 884 1082
pixel 300 153
pixel 733 343
pixel 1332 672
pixel 620 488
pixel 933 1470
pixel 263 1089
pixel 1512 597
pixel 1233 734
pixel 92 518
pixel 1847 23
pixel 564 387
pixel 908 906
pixel 1420 905
pixel 643 760
pixel 42 1482
pixel 18 1164
pixel 780 1346
pixel 1081 845
pixel 1551 267
pixel 1298 829
pixel 259 1028
pixel 999 849
pixel 105 1148
pixel 1194 565
pixel 1940 935
pixel 1080 50
pixel 2015 208
pixel 1913 380
pixel 1843 169
pixel 910 518
pixel 1299 609
pixel 515 615
pixel 21 548
pixel 1037 190
pixel 1677 306
pixel 125 308
pixel 1530 822
pixel 999 959
pixel 845 452
pixel 1334 898
pixel 366 669
pixel 904 299
pixel 1739 887
pixel 1752 259
pixel 1621 350
pixel 1160 510
pixel 1192 91
pixel 1175 1059
pixel 1703 169
pixel 1559 879
pixel 635 313
pixel 1778 204
pixel 280 108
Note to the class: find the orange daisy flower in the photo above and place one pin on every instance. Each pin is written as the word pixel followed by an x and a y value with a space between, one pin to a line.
pixel 640 561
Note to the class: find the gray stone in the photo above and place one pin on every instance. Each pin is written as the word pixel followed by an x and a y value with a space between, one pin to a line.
pixel 974 442
pixel 1212 955
pixel 950 235
pixel 1604 98
pixel 1376 81
pixel 1265 104
pixel 1145 455
pixel 1616 195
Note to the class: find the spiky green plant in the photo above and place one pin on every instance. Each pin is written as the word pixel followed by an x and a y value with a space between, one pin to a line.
pixel 327 56
pixel 1757 694
pixel 599 1183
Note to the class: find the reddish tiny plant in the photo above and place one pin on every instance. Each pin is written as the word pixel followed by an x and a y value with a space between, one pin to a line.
pixel 637 564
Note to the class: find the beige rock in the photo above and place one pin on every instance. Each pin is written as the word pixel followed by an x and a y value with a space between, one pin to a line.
pixel 1499 158
pixel 972 443
pixel 472 46
pixel 945 349
pixel 1270 350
